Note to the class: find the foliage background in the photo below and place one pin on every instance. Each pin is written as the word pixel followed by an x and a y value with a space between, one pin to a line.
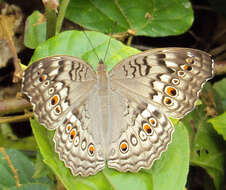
pixel 32 30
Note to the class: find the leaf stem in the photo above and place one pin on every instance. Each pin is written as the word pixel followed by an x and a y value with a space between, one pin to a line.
pixel 129 42
pixel 51 22
pixel 16 176
pixel 18 71
pixel 60 18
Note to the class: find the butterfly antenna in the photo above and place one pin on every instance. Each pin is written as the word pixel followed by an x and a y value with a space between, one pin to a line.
pixel 91 44
pixel 108 45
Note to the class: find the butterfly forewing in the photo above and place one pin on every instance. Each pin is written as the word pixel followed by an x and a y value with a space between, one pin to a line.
pixel 54 84
pixel 170 78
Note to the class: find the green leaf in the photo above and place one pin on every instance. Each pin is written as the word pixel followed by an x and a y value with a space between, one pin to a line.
pixel 207 148
pixel 9 140
pixel 40 167
pixel 25 171
pixel 32 186
pixel 76 44
pixel 174 164
pixel 220 89
pixel 163 173
pixel 146 17
pixel 35 30
pixel 219 124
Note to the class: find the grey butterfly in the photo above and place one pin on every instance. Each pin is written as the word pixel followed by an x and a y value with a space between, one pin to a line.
pixel 120 117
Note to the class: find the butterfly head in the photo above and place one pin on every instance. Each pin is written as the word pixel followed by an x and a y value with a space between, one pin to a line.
pixel 101 67
pixel 101 62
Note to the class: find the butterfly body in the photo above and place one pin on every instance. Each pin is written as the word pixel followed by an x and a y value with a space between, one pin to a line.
pixel 120 117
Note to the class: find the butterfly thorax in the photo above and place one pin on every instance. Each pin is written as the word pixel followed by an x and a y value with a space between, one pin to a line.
pixel 103 87
pixel 102 80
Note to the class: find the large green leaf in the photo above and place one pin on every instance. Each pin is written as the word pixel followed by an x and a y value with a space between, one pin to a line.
pixel 220 89
pixel 35 30
pixel 219 124
pixel 25 171
pixel 207 147
pixel 174 164
pixel 146 17
pixel 165 174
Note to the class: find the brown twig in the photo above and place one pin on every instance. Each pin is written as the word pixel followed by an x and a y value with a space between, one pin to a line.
pixel 11 167
pixel 220 67
pixel 13 105
pixel 218 50
pixel 18 70
pixel 141 47
pixel 197 38
pixel 218 35
pixel 201 7
pixel 17 118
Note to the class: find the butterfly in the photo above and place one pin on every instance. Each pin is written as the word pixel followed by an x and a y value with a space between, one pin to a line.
pixel 118 117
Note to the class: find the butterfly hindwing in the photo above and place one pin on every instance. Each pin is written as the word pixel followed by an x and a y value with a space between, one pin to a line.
pixel 144 133
pixel 79 140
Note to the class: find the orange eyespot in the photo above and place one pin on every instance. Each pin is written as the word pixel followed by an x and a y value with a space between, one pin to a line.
pixel 72 134
pixel 42 78
pixel 190 60
pixel 147 128
pixel 168 101
pixel 124 147
pixel 68 127
pixel 58 109
pixel 171 91
pixel 187 67
pixel 91 149
pixel 152 121
pixel 54 100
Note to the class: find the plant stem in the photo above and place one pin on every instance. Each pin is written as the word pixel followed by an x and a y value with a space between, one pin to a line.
pixel 129 42
pixel 60 18
pixel 13 105
pixel 51 22
pixel 17 118
pixel 18 71
pixel 14 170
